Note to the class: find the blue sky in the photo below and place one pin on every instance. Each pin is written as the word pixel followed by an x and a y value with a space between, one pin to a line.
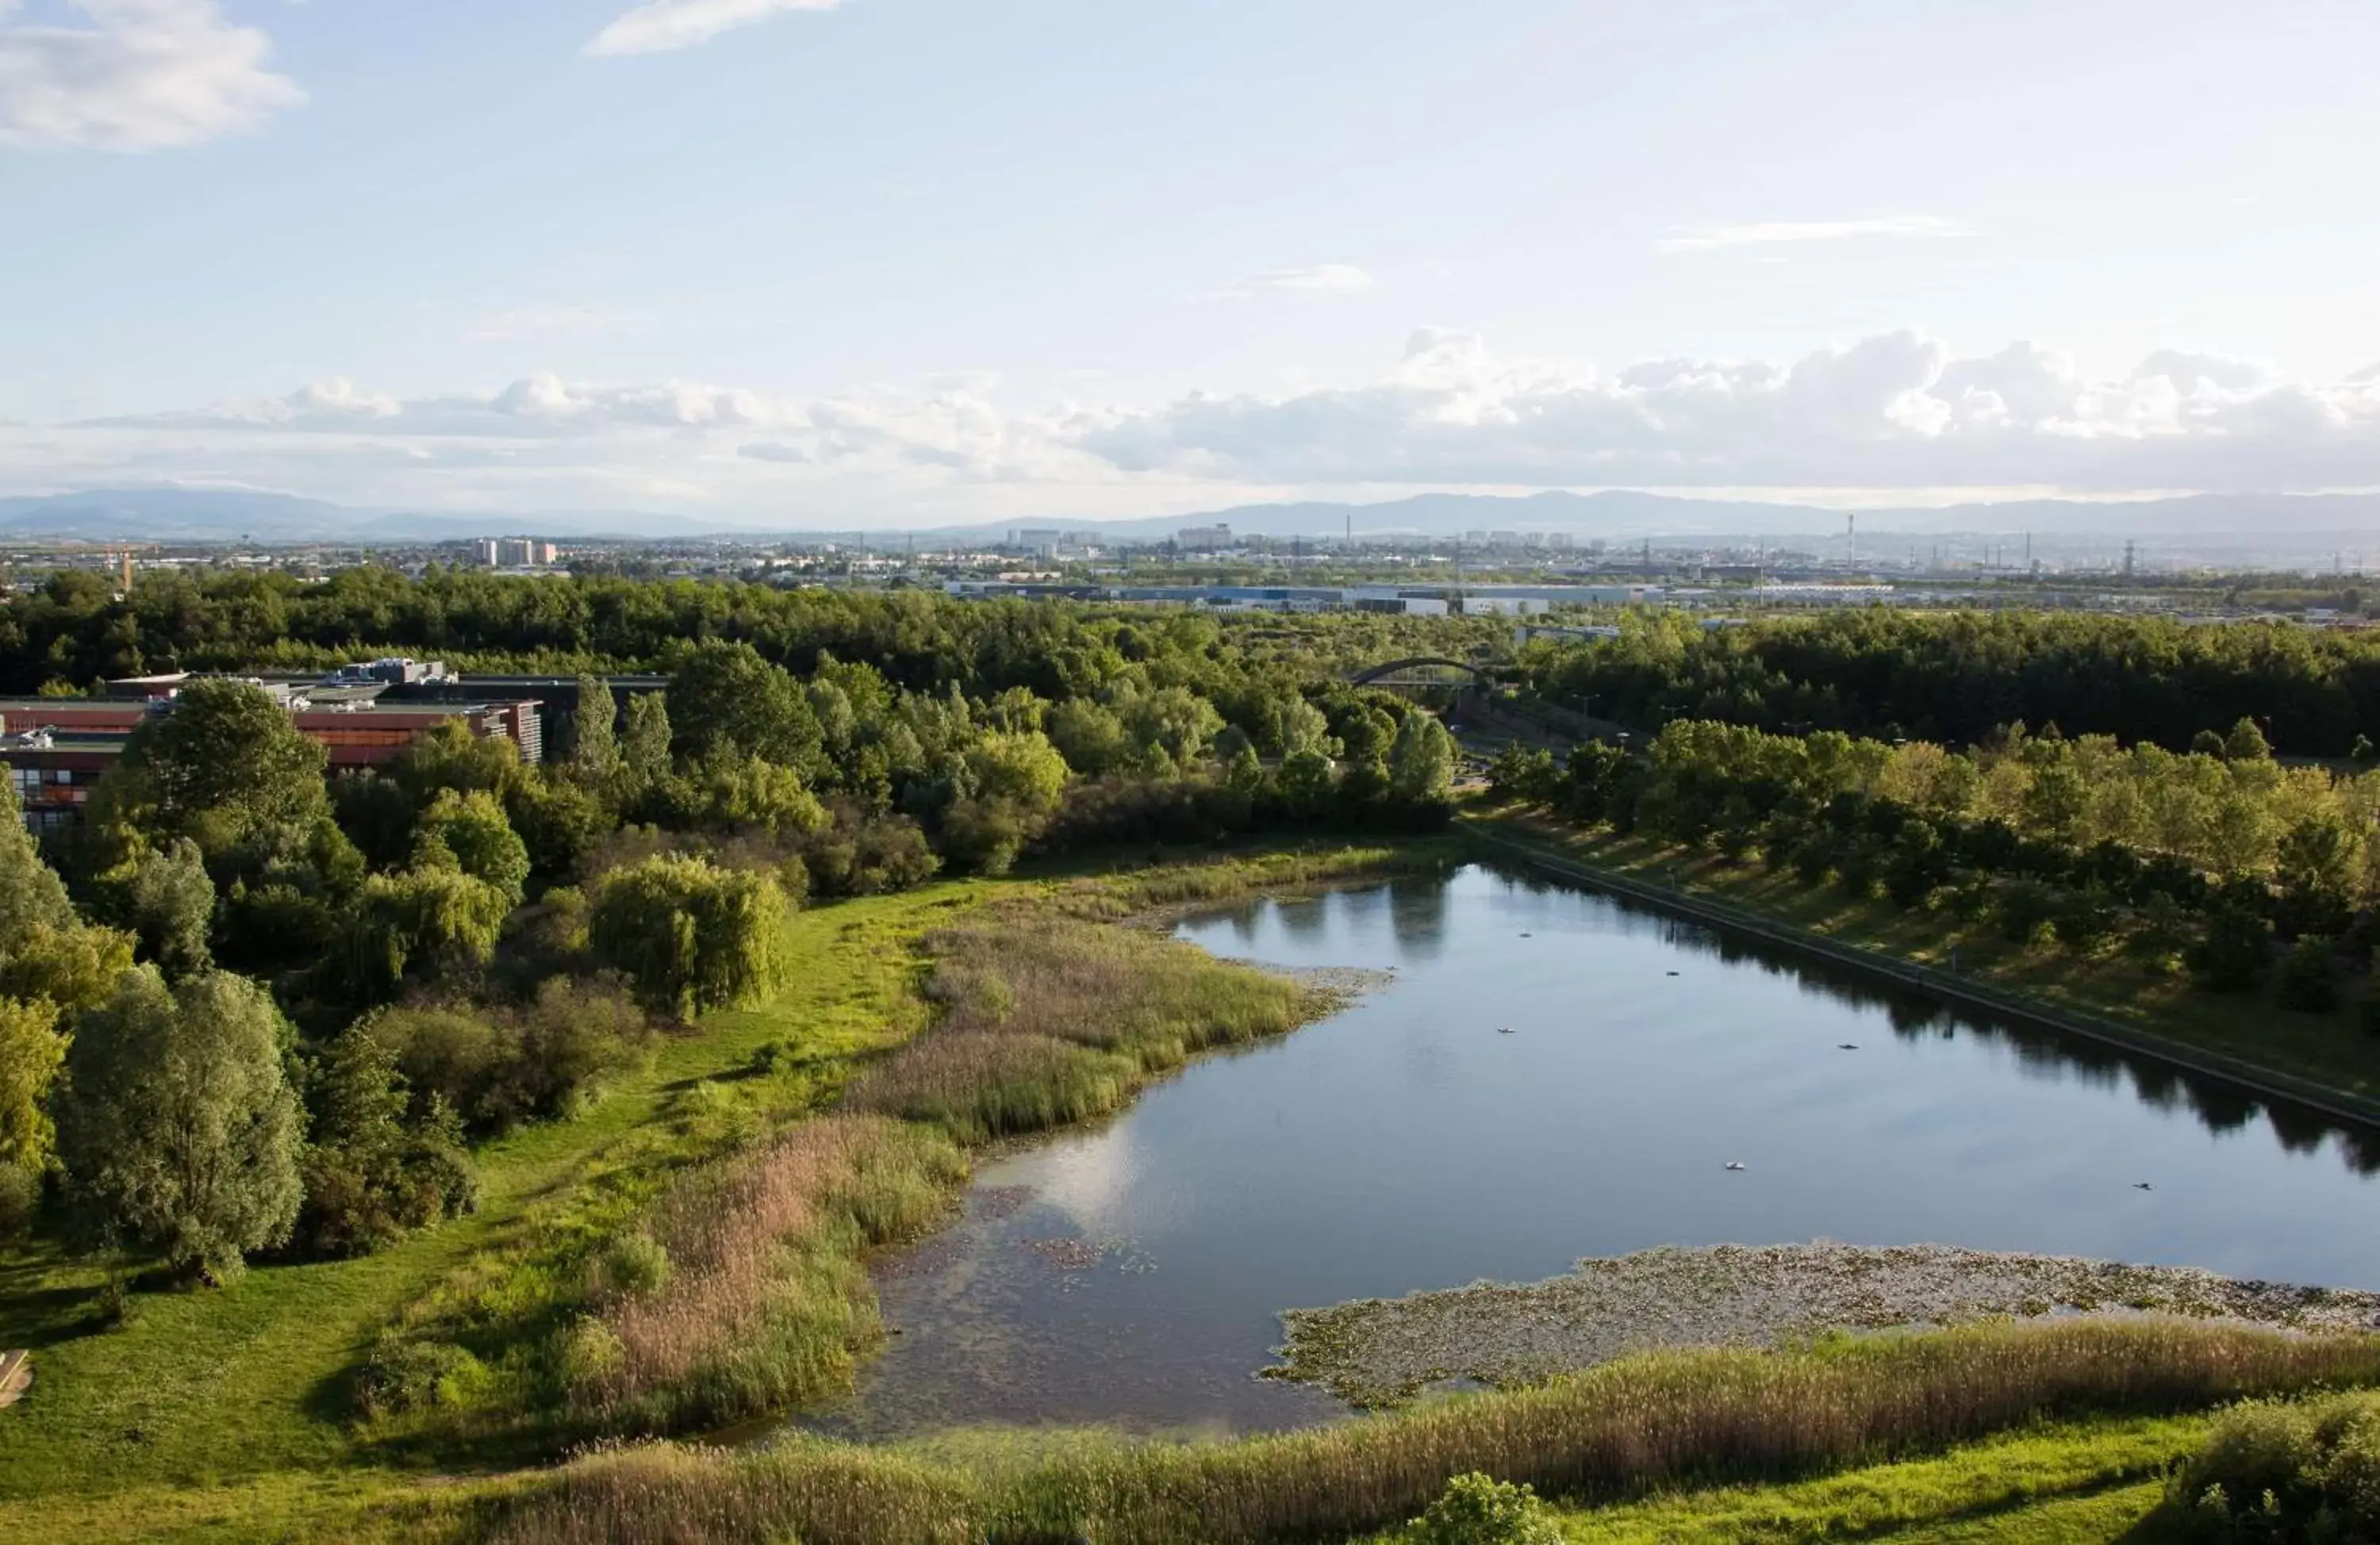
pixel 900 260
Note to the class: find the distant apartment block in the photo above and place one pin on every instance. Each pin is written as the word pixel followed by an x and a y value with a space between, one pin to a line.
pixel 517 552
pixel 1203 538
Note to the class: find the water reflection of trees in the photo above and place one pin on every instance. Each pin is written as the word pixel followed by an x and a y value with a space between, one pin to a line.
pixel 2041 1053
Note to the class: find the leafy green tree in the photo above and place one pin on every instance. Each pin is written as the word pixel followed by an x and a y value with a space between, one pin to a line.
pixel 2308 982
pixel 169 904
pixel 2316 866
pixel 690 936
pixel 645 744
pixel 46 951
pixel 30 891
pixel 31 1050
pixel 2246 742
pixel 369 1176
pixel 1022 768
pixel 471 832
pixel 1171 726
pixel 2237 950
pixel 1421 761
pixel 178 1134
pixel 595 746
pixel 1090 736
pixel 452 757
pixel 225 763
pixel 423 921
pixel 725 698
pixel 729 791
pixel 1307 782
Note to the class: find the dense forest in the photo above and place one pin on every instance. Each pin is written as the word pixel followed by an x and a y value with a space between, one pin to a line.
pixel 75 630
pixel 247 1008
pixel 1958 678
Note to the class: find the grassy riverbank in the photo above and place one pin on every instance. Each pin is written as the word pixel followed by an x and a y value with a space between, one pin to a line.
pixel 242 1405
pixel 2330 1049
pixel 1610 1434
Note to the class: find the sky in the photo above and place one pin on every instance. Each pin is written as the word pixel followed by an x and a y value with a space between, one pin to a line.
pixel 911 261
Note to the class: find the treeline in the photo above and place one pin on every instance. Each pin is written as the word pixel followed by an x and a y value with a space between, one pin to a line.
pixel 75 630
pixel 2202 859
pixel 245 1009
pixel 1956 678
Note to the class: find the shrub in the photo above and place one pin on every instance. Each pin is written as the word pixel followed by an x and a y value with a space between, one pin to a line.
pixel 2308 983
pixel 2235 953
pixel 1479 1509
pixel 405 1376
pixel 2275 1471
pixel 635 1266
pixel 498 1068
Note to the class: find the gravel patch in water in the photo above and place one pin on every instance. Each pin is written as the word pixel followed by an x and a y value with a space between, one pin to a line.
pixel 1378 1352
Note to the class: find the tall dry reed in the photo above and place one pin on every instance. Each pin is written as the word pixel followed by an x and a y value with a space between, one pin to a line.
pixel 1710 1417
pixel 763 1301
pixel 1048 1019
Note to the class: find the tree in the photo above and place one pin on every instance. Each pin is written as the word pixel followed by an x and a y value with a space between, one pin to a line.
pixel 32 1051
pixel 470 832
pixel 595 748
pixel 1421 760
pixel 30 891
pixel 370 1178
pixel 2315 865
pixel 426 919
pixel 169 904
pixel 690 936
pixel 225 763
pixel 2246 742
pixel 724 697
pixel 178 1134
pixel 451 757
pixel 729 791
pixel 2308 982
pixel 2237 950
pixel 645 744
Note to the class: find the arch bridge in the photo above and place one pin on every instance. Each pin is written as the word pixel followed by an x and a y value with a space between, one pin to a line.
pixel 1420 670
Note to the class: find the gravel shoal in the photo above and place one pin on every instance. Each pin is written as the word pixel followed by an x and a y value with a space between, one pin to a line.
pixel 1378 1352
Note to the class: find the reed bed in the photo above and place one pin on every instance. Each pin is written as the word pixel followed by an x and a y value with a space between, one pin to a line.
pixel 1612 1431
pixel 755 1297
pixel 1048 1019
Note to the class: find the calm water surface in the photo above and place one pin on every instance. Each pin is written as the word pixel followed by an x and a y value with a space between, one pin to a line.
pixel 1132 1274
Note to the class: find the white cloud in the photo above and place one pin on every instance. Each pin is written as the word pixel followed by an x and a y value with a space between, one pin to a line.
pixel 1683 238
pixel 660 26
pixel 1323 278
pixel 1897 411
pixel 145 75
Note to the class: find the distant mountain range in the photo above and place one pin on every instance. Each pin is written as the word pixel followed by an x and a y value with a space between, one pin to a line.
pixel 203 515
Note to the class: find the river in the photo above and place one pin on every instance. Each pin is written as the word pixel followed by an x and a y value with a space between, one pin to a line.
pixel 1553 1073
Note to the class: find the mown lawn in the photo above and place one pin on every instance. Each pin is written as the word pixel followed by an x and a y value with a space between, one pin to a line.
pixel 2330 1049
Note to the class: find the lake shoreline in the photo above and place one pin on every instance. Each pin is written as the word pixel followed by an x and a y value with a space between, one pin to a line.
pixel 1382 1352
